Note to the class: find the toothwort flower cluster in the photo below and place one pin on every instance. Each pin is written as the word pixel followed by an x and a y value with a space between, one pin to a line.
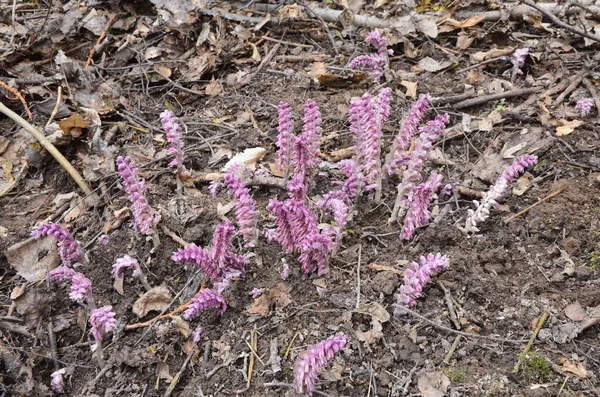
pixel 416 277
pixel 285 138
pixel 584 106
pixel 205 299
pixel 170 124
pixel 103 321
pixel 398 153
pixel 310 363
pixel 123 263
pixel 418 212
pixel 143 215
pixel 68 247
pixel 378 62
pixel 482 212
pixel 519 57
pixel 61 273
pixel 57 382
pixel 245 206
pixel 81 288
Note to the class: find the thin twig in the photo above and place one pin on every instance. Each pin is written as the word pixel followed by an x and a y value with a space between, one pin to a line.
pixel 56 106
pixel 465 334
pixel 539 326
pixel 16 93
pixel 100 39
pixel 548 197
pixel 560 23
pixel 452 349
pixel 480 100
pixel 570 88
pixel 46 144
pixel 358 277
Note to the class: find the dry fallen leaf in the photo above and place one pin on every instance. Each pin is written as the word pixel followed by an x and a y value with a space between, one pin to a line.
pixel 381 268
pixel 566 127
pixel 33 304
pixel 340 154
pixel 523 184
pixel 378 315
pixel 213 88
pixel 318 69
pixel 249 157
pixel 576 369
pixel 278 296
pixel 162 371
pixel 575 312
pixel 157 299
pixel 431 65
pixel 433 384
pixel 181 325
pixel 411 88
pixel 26 258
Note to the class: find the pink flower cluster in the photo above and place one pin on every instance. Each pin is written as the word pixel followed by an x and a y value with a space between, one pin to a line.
pixel 123 263
pixel 102 321
pixel 245 206
pixel 584 106
pixel 482 212
pixel 170 124
pixel 143 215
pixel 57 382
pixel 68 247
pixel 377 62
pixel 285 138
pixel 205 299
pixel 415 279
pixel 220 261
pixel 519 57
pixel 418 212
pixel 398 156
pixel 81 287
pixel 310 363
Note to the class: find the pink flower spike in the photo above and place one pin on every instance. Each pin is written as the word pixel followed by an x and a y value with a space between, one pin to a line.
pixel 205 299
pixel 584 106
pixel 285 271
pixel 418 214
pixel 61 273
pixel 285 138
pixel 198 256
pixel 171 126
pixel 144 217
pixel 245 206
pixel 103 321
pixel 284 231
pixel 416 277
pixel 310 363
pixel 122 263
pixel 378 62
pixel 407 132
pixel 315 249
pixel 68 247
pixel 222 246
pixel 482 212
pixel 57 382
pixel 197 335
pixel 81 288
pixel 519 57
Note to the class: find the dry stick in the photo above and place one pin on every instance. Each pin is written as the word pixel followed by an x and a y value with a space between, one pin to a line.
pixel 452 98
pixel 16 93
pixel 560 23
pixel 516 11
pixel 452 349
pixel 548 197
pixel 286 42
pixel 56 106
pixel 570 88
pixel 448 299
pixel 265 60
pixel 493 97
pixel 46 144
pixel 592 89
pixel 52 339
pixel 252 354
pixel 176 378
pixel 100 39
pixel 465 334
pixel 539 326
pixel 358 277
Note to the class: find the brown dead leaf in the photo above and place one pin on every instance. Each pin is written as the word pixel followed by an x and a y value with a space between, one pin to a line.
pixel 433 384
pixel 428 25
pixel 248 157
pixel 576 369
pixel 494 53
pixel 290 12
pixel 73 125
pixel 411 88
pixel 523 184
pixel 340 154
pixel 26 258
pixel 118 285
pixel 213 88
pixel 181 325
pixel 162 371
pixel 566 127
pixel 33 305
pixel 275 170
pixel 317 70
pixel 278 296
pixel 429 64
pixel 382 268
pixel 157 299
pixel 464 41
pixel 575 312
pixel 378 315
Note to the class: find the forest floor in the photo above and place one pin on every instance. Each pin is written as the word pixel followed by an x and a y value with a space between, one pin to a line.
pixel 223 72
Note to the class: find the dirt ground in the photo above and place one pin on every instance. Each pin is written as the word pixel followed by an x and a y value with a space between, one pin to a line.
pixel 216 74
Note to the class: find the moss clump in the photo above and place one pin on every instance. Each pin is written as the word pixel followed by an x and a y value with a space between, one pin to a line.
pixel 535 368
pixel 457 376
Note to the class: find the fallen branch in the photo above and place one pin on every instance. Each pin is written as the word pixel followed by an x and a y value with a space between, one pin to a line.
pixel 516 11
pixel 46 144
pixel 560 23
pixel 570 88
pixel 16 93
pixel 539 326
pixel 100 39
pixel 540 201
pixel 494 97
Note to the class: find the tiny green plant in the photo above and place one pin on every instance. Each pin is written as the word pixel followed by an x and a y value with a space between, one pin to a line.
pixel 535 368
pixel 457 376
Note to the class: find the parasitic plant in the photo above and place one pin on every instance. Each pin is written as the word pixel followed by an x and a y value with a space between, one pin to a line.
pixel 376 63
pixel 205 299
pixel 245 206
pixel 125 262
pixel 170 124
pixel 68 248
pixel 310 363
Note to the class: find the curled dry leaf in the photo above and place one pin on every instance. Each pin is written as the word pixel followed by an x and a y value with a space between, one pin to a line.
pixel 566 127
pixel 378 315
pixel 34 258
pixel 278 296
pixel 162 371
pixel 32 305
pixel 157 299
pixel 575 312
pixel 182 326
pixel 576 369
pixel 433 384
pixel 248 157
